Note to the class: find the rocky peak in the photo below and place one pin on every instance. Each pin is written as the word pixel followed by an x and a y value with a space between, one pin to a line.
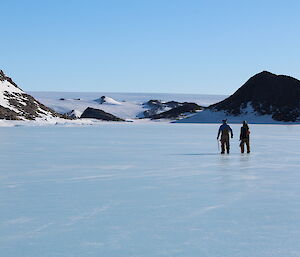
pixel 15 104
pixel 3 77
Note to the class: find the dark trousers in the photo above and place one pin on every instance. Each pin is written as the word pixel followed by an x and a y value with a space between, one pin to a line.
pixel 242 145
pixel 225 145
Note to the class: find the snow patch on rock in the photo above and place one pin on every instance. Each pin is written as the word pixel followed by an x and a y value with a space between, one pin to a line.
pixel 74 114
pixel 107 100
pixel 7 90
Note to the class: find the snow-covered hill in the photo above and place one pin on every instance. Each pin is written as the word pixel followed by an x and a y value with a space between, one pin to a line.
pixel 15 104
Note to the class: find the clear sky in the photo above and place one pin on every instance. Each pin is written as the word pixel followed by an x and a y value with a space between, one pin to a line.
pixel 168 46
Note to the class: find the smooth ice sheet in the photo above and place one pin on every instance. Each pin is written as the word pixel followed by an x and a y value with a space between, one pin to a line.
pixel 147 190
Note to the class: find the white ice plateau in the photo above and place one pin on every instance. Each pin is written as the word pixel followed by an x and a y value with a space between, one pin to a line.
pixel 123 105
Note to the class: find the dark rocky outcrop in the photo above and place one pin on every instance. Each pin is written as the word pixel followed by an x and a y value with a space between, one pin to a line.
pixel 176 112
pixel 3 77
pixel 7 114
pixel 156 106
pixel 168 110
pixel 101 100
pixel 159 104
pixel 31 108
pixel 266 93
pixel 99 114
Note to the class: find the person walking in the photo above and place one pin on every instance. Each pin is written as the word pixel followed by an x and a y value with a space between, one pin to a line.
pixel 224 131
pixel 245 137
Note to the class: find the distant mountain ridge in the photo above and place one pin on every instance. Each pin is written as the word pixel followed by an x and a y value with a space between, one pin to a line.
pixel 264 98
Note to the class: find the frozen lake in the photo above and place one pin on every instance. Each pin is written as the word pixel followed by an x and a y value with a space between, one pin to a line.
pixel 148 190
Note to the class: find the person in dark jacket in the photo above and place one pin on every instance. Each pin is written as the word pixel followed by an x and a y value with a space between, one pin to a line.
pixel 245 137
pixel 225 130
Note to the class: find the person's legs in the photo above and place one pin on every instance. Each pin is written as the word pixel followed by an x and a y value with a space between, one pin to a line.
pixel 222 146
pixel 227 146
pixel 248 145
pixel 242 146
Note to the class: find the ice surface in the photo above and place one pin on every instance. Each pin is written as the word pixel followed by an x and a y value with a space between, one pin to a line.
pixel 147 190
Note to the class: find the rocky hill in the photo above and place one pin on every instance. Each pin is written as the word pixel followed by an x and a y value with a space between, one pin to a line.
pixel 179 111
pixel 15 104
pixel 264 98
pixel 266 94
pixel 92 113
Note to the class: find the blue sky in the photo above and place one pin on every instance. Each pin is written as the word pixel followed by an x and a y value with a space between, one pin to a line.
pixel 209 47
